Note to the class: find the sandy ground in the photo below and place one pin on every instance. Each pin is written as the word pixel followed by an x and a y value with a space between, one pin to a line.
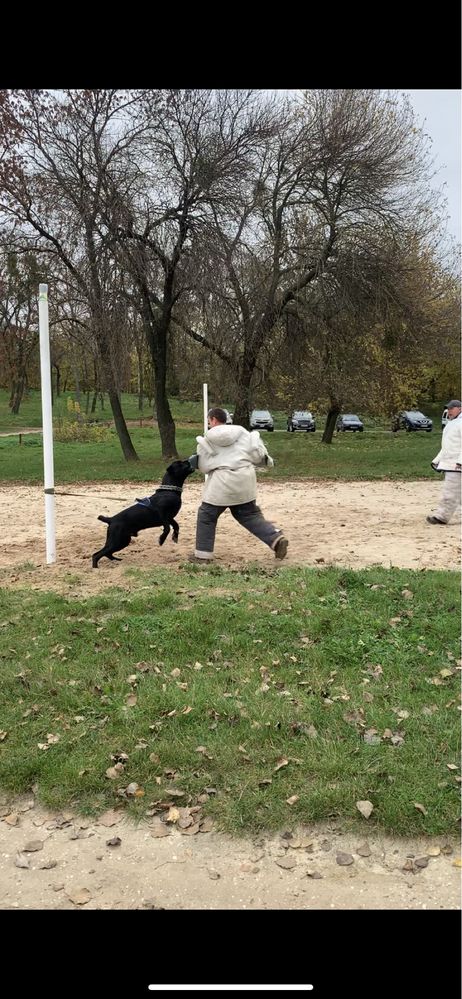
pixel 348 524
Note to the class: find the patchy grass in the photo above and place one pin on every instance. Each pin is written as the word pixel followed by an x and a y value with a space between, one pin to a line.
pixel 329 685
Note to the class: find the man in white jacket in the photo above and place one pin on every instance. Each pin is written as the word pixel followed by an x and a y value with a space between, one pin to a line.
pixel 228 456
pixel 449 461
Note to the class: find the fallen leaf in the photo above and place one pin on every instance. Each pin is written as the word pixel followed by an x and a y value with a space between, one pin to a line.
pixel 421 862
pixel 420 808
pixel 286 862
pixel 365 807
pixel 22 860
pixel 457 862
pixel 282 762
pixel 408 594
pixel 154 758
pixel 33 846
pixel 408 865
pixel 79 896
pixel 115 841
pixel 131 700
pixel 292 799
pixel 173 815
pixel 12 819
pixel 3 736
pixel 452 766
pixel 113 772
pixel 109 818
pixel 434 851
pixel 364 850
pixel 191 830
pixel 206 825
pixel 134 790
pixel 158 829
pixel 344 859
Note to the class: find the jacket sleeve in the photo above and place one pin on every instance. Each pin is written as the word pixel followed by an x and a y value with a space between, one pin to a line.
pixel 257 451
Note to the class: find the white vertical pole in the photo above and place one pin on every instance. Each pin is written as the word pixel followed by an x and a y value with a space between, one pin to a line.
pixel 205 392
pixel 47 424
pixel 205 397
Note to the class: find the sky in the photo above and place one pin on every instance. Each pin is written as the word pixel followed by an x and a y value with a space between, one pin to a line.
pixel 439 111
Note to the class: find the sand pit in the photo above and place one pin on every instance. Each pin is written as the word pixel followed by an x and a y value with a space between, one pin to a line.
pixel 354 524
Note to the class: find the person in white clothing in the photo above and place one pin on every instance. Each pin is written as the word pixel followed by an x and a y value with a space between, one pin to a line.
pixel 228 455
pixel 449 461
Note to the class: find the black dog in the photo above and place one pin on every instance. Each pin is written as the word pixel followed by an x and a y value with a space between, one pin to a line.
pixel 157 510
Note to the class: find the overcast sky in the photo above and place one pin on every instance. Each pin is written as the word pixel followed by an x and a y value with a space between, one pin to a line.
pixel 440 113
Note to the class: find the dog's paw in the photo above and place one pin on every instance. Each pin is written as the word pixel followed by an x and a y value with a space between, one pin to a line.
pixel 175 538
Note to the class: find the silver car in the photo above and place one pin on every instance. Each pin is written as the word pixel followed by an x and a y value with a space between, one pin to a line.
pixel 261 419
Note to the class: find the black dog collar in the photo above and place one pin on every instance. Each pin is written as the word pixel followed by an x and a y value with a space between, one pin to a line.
pixel 174 489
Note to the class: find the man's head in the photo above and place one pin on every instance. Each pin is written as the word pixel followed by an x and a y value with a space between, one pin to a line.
pixel 216 417
pixel 454 407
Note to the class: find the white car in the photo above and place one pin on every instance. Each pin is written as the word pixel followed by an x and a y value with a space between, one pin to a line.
pixel 444 419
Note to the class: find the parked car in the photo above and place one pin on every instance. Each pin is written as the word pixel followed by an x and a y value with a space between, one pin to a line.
pixel 444 419
pixel 301 419
pixel 261 419
pixel 348 421
pixel 411 419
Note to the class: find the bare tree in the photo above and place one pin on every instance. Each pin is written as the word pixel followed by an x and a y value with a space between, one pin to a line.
pixel 53 148
pixel 342 167
pixel 19 277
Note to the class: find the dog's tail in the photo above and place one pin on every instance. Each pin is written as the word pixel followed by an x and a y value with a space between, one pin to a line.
pixel 107 520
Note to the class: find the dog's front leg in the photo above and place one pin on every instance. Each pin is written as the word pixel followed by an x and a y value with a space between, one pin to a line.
pixel 176 531
pixel 165 534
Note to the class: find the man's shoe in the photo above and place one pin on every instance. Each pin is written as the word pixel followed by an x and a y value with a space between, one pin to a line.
pixel 199 561
pixel 280 548
pixel 435 520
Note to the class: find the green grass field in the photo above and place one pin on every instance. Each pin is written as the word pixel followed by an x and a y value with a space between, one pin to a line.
pixel 371 455
pixel 329 685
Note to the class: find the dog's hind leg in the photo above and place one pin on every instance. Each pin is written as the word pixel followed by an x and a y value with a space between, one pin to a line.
pixel 165 533
pixel 176 531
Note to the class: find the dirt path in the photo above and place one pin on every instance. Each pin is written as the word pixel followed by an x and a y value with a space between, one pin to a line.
pixel 351 524
pixel 75 867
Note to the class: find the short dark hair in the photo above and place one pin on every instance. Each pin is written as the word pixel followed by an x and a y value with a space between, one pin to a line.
pixel 217 414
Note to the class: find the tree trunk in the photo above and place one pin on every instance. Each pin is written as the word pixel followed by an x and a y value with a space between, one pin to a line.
pixel 17 392
pixel 140 381
pixel 334 412
pixel 126 444
pixel 164 415
pixel 243 401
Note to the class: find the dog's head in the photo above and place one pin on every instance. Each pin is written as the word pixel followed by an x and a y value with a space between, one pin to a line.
pixel 177 472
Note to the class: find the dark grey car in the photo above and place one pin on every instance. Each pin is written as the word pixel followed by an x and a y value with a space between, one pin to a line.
pixel 301 419
pixel 348 421
pixel 411 419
